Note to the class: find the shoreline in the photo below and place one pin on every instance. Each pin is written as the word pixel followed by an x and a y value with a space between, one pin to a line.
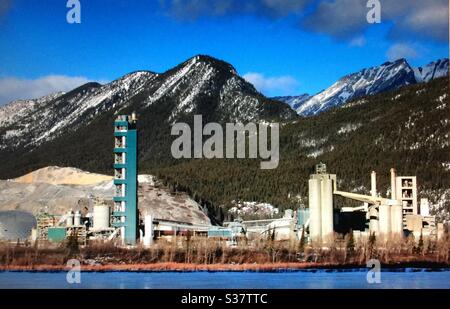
pixel 185 267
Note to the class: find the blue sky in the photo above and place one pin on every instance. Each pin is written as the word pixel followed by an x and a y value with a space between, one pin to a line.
pixel 284 47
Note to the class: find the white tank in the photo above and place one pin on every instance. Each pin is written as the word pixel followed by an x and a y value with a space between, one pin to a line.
pixel 101 217
pixel 288 213
pixel 373 220
pixel 315 225
pixel 69 219
pixel 424 207
pixel 397 220
pixel 77 218
pixel 327 209
pixel 148 233
pixel 384 215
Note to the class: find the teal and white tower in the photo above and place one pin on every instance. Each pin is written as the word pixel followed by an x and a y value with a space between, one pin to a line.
pixel 125 213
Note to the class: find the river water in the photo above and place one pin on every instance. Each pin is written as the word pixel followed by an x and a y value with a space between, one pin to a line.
pixel 317 279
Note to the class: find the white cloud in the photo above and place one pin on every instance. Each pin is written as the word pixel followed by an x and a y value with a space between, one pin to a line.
pixel 193 9
pixel 272 86
pixel 413 18
pixel 401 50
pixel 359 41
pixel 13 88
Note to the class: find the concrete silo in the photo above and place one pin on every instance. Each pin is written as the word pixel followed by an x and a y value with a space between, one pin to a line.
pixel 315 225
pixel 384 217
pixel 327 209
pixel 396 219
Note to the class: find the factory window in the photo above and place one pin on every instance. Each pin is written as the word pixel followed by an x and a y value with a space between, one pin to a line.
pixel 119 174
pixel 406 194
pixel 120 190
pixel 407 183
pixel 121 129
pixel 119 142
pixel 119 158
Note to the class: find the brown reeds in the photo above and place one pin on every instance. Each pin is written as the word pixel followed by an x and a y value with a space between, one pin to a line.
pixel 190 253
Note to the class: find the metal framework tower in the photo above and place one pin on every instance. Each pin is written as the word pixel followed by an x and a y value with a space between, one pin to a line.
pixel 125 214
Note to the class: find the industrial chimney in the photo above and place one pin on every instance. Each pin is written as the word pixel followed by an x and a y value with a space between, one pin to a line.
pixel 373 184
pixel 393 186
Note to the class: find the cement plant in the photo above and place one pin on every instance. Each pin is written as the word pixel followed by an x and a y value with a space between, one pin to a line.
pixel 119 221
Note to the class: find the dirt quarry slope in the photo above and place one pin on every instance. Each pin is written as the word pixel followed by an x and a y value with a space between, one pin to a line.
pixel 62 176
pixel 58 190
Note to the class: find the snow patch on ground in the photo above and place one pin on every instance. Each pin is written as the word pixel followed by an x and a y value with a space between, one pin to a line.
pixel 252 208
pixel 350 127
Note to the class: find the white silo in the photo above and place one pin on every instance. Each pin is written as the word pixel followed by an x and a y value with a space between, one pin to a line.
pixel 77 218
pixel 69 218
pixel 148 233
pixel 327 209
pixel 373 220
pixel 101 217
pixel 315 225
pixel 397 219
pixel 384 217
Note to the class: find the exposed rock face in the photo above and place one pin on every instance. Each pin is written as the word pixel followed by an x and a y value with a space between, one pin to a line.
pixel 57 190
pixel 63 176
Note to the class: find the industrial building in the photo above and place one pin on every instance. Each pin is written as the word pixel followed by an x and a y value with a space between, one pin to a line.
pixel 125 213
pixel 395 216
pixel 119 219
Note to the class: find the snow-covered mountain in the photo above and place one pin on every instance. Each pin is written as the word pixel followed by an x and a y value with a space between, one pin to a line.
pixel 202 85
pixel 388 76
pixel 294 101
pixel 431 71
pixel 28 123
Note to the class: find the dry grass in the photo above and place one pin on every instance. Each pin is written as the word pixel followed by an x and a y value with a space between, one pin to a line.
pixel 197 253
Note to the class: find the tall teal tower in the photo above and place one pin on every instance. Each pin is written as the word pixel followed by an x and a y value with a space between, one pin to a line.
pixel 125 213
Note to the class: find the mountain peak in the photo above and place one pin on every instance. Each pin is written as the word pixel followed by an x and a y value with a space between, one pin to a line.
pixel 369 81
pixel 211 61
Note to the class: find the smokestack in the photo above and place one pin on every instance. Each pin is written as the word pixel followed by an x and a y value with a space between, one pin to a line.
pixel 373 184
pixel 393 186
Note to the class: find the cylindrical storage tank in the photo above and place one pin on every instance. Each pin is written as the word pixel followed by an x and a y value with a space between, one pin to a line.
pixel 77 218
pixel 384 217
pixel 148 233
pixel 373 220
pixel 69 219
pixel 315 224
pixel 101 217
pixel 397 220
pixel 327 209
